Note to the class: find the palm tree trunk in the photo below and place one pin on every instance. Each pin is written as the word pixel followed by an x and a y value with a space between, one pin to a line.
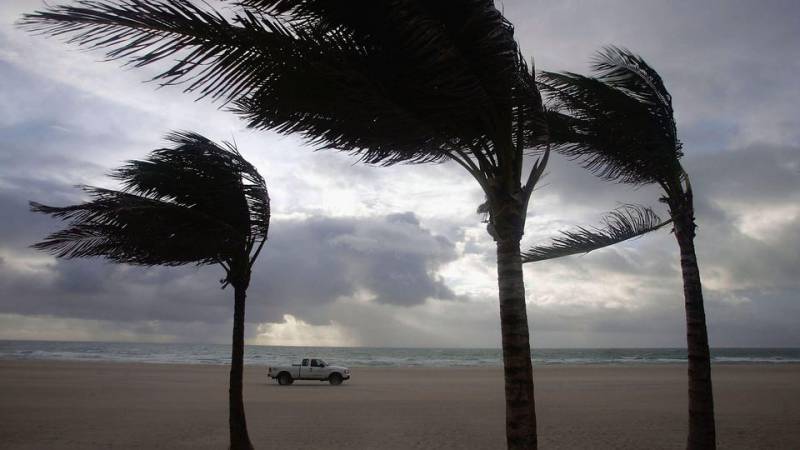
pixel 517 367
pixel 701 399
pixel 240 440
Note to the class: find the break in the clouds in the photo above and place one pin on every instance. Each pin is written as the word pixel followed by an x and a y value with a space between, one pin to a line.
pixel 396 256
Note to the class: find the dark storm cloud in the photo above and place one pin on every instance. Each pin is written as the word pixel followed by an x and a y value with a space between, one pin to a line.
pixel 728 64
pixel 760 182
pixel 94 289
pixel 306 264
pixel 313 262
pixel 756 173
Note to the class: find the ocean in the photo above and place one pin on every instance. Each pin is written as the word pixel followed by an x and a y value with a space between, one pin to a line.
pixel 371 357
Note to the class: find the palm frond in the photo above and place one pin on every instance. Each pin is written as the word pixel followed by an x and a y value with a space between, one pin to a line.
pixel 414 80
pixel 207 177
pixel 613 134
pixel 405 81
pixel 624 70
pixel 530 128
pixel 196 202
pixel 619 225
pixel 217 57
pixel 133 229
pixel 621 68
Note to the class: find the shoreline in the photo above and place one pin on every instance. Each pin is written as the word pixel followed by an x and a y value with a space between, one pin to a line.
pixel 570 365
pixel 408 367
pixel 83 405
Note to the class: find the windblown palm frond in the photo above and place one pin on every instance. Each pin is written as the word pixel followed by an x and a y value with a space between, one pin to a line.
pixel 408 81
pixel 131 229
pixel 421 82
pixel 621 68
pixel 216 56
pixel 619 225
pixel 196 202
pixel 620 124
pixel 208 177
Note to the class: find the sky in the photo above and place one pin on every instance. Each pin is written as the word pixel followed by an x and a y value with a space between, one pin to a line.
pixel 373 256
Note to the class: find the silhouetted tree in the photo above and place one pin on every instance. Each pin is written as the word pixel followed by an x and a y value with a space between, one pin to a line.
pixel 620 125
pixel 195 203
pixel 409 81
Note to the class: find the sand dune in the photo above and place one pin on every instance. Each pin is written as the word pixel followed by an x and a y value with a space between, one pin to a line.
pixel 68 405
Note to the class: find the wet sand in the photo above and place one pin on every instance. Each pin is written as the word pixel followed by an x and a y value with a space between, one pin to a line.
pixel 76 405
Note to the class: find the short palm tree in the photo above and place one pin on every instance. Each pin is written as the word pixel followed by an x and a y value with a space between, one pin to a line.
pixel 620 125
pixel 194 203
pixel 409 81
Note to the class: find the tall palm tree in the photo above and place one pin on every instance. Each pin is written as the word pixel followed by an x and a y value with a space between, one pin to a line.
pixel 195 203
pixel 410 81
pixel 620 125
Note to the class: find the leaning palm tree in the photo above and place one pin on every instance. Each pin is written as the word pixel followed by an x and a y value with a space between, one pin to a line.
pixel 194 203
pixel 620 125
pixel 410 81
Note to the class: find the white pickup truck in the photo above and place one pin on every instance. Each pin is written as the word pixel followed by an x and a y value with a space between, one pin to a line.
pixel 309 369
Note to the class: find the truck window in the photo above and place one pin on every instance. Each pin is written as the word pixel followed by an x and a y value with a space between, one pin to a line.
pixel 305 363
pixel 314 363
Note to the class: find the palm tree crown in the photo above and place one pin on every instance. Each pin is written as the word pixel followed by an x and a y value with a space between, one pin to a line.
pixel 194 203
pixel 391 81
pixel 620 123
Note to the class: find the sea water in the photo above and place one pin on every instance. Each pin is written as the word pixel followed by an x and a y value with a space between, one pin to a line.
pixel 371 357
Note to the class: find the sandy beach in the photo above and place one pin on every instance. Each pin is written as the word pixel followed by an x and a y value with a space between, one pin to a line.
pixel 74 405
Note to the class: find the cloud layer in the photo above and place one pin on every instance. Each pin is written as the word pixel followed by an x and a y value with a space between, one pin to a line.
pixel 397 256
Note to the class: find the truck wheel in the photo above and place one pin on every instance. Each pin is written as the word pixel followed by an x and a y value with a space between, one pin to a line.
pixel 284 379
pixel 335 379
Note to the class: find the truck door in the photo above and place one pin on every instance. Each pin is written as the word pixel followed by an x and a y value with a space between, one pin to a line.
pixel 304 370
pixel 318 371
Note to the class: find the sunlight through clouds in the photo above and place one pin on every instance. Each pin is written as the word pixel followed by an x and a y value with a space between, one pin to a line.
pixel 293 331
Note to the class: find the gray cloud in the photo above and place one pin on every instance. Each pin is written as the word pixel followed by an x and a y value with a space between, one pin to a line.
pixel 306 264
pixel 314 262
pixel 753 173
pixel 728 64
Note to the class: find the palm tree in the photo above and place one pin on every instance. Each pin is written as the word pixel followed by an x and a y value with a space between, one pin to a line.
pixel 409 81
pixel 620 125
pixel 195 203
